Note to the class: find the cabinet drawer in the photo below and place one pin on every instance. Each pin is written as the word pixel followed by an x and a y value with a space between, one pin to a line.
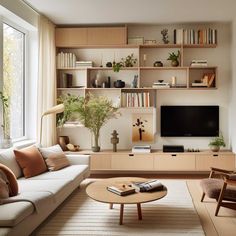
pixel 174 162
pixel 132 162
pixel 71 37
pixel 101 162
pixel 107 36
pixel 204 162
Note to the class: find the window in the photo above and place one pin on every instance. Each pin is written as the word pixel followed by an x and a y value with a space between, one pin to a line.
pixel 14 80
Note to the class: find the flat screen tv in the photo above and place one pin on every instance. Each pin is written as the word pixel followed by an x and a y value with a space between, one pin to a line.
pixel 189 121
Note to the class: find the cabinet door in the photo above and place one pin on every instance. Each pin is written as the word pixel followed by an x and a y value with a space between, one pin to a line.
pixel 100 162
pixel 132 162
pixel 204 162
pixel 107 36
pixel 174 162
pixel 71 37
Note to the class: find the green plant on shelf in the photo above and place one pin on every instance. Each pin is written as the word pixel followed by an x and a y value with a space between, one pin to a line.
pixel 174 58
pixel 217 142
pixel 129 61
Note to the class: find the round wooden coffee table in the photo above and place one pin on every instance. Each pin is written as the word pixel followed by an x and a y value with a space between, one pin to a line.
pixel 98 191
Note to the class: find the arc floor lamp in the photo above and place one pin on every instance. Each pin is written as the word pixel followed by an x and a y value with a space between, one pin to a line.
pixel 53 110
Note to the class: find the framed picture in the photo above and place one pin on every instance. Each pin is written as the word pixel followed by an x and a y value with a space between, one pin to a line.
pixel 142 127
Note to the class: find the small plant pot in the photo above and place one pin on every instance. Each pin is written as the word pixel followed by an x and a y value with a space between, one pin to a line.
pixel 174 63
pixel 215 148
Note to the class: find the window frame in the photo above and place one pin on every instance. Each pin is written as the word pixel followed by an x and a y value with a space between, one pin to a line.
pixel 3 21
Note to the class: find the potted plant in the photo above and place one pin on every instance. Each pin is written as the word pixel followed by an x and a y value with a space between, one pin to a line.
pixel 174 58
pixel 216 143
pixel 92 111
pixel 6 140
pixel 129 61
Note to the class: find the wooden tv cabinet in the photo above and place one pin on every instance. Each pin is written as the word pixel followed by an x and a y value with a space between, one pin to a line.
pixel 158 161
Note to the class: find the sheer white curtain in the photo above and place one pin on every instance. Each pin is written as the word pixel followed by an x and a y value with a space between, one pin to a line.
pixel 47 80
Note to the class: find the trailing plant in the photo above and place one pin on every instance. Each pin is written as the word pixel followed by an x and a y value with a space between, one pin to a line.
pixel 173 56
pixel 92 111
pixel 218 141
pixel 5 123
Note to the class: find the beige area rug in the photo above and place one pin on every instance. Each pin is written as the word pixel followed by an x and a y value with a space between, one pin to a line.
pixel 223 225
pixel 172 215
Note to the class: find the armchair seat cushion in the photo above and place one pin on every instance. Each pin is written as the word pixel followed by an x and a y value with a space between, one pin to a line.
pixel 212 187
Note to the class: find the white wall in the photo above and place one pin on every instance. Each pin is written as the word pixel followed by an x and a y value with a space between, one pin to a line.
pixel 232 117
pixel 219 56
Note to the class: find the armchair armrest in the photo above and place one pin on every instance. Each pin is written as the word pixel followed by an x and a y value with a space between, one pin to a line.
pixel 221 170
pixel 78 159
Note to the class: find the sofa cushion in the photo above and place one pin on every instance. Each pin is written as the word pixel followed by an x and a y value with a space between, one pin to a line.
pixel 13 213
pixel 7 158
pixel 31 161
pixel 70 173
pixel 12 182
pixel 54 157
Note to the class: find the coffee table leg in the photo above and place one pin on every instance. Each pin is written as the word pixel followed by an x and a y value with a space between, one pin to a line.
pixel 111 205
pixel 121 213
pixel 139 211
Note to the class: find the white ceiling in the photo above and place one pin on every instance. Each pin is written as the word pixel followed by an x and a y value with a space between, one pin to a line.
pixel 134 11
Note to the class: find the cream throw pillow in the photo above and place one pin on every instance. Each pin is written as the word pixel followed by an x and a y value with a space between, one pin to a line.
pixel 57 161
pixel 54 157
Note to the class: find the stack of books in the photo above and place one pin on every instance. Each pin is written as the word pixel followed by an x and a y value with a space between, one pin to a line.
pixel 83 64
pixel 161 85
pixel 208 80
pixel 141 149
pixel 196 63
pixel 121 189
pixel 66 60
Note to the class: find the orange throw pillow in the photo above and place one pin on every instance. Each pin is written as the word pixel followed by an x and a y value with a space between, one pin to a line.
pixel 13 185
pixel 31 161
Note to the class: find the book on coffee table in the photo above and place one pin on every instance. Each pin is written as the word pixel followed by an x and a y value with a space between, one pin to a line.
pixel 151 185
pixel 121 189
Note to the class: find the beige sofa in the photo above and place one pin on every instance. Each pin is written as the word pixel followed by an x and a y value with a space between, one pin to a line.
pixel 39 196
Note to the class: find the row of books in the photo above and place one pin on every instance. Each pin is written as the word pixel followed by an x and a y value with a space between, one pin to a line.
pixel 191 36
pixel 141 99
pixel 65 60
pixel 124 189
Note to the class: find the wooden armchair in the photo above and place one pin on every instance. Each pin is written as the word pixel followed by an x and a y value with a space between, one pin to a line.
pixel 222 189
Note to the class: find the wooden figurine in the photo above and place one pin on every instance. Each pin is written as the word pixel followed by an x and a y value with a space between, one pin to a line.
pixel 114 140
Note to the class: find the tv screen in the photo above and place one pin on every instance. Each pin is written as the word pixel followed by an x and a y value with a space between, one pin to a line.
pixel 189 121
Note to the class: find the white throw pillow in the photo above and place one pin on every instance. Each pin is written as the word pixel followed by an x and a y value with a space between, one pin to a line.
pixel 7 158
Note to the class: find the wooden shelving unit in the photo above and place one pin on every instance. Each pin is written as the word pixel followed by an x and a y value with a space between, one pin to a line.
pixel 116 49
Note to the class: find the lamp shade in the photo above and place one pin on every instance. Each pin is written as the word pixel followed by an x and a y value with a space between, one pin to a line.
pixel 54 110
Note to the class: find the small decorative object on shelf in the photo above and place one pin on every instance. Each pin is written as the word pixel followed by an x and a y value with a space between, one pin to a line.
pixel 216 143
pixel 119 84
pixel 144 59
pixel 63 141
pixel 98 80
pixel 164 33
pixel 158 64
pixel 109 64
pixel 150 41
pixel 129 61
pixel 114 140
pixel 174 58
pixel 134 83
pixel 73 148
pixel 173 81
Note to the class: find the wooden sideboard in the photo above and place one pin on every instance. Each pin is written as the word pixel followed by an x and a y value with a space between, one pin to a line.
pixel 125 160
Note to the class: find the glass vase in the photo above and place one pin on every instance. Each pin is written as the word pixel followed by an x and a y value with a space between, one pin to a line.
pixel 95 142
